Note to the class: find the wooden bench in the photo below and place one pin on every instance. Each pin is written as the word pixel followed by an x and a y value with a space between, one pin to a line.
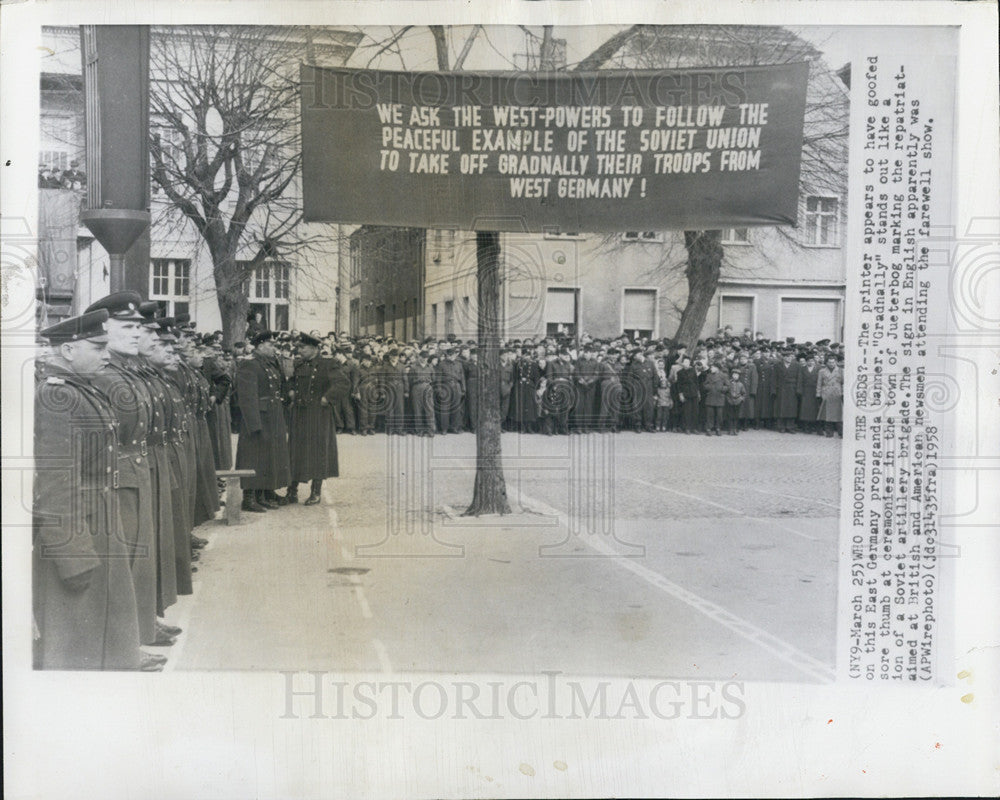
pixel 234 492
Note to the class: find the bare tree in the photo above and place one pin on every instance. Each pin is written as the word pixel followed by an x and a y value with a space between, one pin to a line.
pixel 226 148
pixel 825 130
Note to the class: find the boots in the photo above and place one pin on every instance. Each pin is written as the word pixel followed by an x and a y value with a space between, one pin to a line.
pixel 314 492
pixel 250 502
pixel 262 498
pixel 275 498
pixel 292 494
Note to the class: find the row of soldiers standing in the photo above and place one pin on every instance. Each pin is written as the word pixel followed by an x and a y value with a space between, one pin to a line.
pixel 593 388
pixel 130 427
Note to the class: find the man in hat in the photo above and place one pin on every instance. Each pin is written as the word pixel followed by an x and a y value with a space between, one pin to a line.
pixel 163 476
pixel 312 438
pixel 132 403
pixel 180 451
pixel 262 444
pixel 344 379
pixel 559 396
pixel 449 392
pixel 420 383
pixel 392 390
pixel 786 378
pixel 470 367
pixel 585 376
pixel 84 598
pixel 641 381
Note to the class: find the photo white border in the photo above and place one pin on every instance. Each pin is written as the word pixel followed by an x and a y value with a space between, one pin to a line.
pixel 219 735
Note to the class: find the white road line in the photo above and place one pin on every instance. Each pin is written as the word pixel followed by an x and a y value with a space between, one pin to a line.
pixel 778 647
pixel 778 494
pixel 383 656
pixel 359 593
pixel 730 509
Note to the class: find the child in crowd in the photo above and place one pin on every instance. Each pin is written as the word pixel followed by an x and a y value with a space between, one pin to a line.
pixel 735 396
pixel 664 402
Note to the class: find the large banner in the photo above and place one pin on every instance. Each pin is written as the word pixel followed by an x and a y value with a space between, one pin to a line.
pixel 607 151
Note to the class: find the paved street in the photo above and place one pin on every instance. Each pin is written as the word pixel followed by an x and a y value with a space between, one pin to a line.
pixel 630 555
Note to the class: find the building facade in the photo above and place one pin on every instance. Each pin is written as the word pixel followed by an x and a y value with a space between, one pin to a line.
pixel 300 292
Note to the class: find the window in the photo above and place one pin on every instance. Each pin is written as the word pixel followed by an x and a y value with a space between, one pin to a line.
pixel 639 313
pixel 736 236
pixel 736 311
pixel 434 320
pixel 561 312
pixel 170 284
pixel 810 319
pixel 355 317
pixel 172 147
pixel 442 245
pixel 355 263
pixel 269 292
pixel 642 236
pixel 449 317
pixel 563 235
pixel 821 222
pixel 58 140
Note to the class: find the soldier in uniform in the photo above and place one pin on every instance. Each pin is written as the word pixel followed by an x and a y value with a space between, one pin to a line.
pixel 163 477
pixel 132 403
pixel 263 444
pixel 392 383
pixel 641 379
pixel 420 382
pixel 449 392
pixel 585 374
pixel 344 380
pixel 786 405
pixel 559 393
pixel 506 387
pixel 219 418
pixel 182 459
pixel 610 382
pixel 84 598
pixel 364 396
pixel 527 376
pixel 470 366
pixel 312 439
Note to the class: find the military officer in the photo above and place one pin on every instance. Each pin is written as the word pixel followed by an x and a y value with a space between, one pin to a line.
pixel 392 387
pixel 470 366
pixel 449 392
pixel 263 444
pixel 420 380
pixel 585 376
pixel 132 404
pixel 312 438
pixel 559 395
pixel 84 597
pixel 344 378
pixel 163 477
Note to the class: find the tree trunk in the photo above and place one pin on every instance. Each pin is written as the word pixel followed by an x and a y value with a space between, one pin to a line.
pixel 490 493
pixel 231 292
pixel 704 249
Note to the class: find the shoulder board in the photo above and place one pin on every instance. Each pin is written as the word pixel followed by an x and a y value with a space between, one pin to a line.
pixel 53 380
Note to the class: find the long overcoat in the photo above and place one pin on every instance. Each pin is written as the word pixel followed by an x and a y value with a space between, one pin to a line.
pixel 808 402
pixel 830 389
pixel 78 528
pixel 263 443
pixel 524 403
pixel 312 437
pixel 786 404
pixel 161 478
pixel 132 406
